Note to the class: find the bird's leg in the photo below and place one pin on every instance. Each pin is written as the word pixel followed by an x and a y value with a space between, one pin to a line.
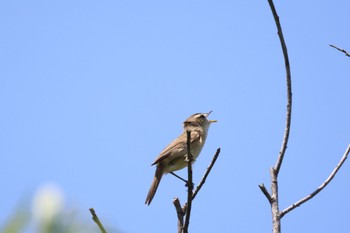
pixel 172 173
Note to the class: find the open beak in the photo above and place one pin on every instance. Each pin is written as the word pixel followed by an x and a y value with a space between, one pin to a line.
pixel 211 121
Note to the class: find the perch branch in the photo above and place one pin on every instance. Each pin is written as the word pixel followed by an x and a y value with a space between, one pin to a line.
pixel 185 211
pixel 319 189
pixel 189 182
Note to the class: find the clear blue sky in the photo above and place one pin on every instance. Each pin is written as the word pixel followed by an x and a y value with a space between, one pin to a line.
pixel 92 91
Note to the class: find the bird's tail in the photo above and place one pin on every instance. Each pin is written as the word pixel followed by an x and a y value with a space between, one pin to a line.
pixel 156 180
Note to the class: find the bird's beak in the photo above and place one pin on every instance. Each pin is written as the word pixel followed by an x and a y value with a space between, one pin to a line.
pixel 211 121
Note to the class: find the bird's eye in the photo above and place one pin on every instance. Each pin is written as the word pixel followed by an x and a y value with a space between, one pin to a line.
pixel 202 116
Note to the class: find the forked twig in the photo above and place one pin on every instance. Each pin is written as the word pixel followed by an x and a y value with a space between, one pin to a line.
pixel 274 171
pixel 186 209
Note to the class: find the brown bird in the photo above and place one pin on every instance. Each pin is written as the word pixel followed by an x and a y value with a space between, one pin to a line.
pixel 173 157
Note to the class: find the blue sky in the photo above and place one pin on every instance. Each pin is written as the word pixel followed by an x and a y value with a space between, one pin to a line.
pixel 91 92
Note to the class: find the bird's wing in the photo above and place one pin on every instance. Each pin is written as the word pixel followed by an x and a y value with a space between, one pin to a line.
pixel 178 146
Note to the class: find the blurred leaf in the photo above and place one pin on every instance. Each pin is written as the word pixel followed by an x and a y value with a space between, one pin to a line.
pixel 17 222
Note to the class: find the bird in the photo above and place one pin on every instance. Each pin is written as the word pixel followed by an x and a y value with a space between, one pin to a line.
pixel 173 156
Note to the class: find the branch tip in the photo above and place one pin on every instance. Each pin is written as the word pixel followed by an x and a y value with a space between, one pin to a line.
pixel 97 220
pixel 265 192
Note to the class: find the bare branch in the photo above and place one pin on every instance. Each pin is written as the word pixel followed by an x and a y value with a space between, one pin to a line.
pixel 189 182
pixel 206 173
pixel 97 220
pixel 180 215
pixel 289 89
pixel 274 171
pixel 273 197
pixel 276 220
pixel 341 50
pixel 320 188
pixel 265 192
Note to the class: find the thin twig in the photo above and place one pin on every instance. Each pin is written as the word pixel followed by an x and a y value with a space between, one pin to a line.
pixel 206 173
pixel 265 192
pixel 189 183
pixel 97 220
pixel 319 189
pixel 289 89
pixel 180 215
pixel 341 50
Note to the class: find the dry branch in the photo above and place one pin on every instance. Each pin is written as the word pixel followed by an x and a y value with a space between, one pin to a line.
pixel 185 211
pixel 273 197
pixel 341 50
pixel 206 173
pixel 289 88
pixel 265 192
pixel 180 215
pixel 319 189
pixel 274 171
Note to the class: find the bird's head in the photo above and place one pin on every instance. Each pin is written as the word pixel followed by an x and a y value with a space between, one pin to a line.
pixel 198 119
